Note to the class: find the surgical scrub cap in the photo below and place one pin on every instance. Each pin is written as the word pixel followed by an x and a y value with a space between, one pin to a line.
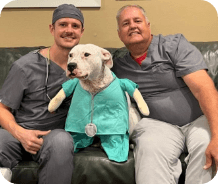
pixel 67 10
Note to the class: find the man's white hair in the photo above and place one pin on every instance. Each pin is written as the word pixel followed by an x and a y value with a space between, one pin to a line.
pixel 130 6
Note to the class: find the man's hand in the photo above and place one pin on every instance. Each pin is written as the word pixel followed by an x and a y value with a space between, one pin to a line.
pixel 31 140
pixel 212 154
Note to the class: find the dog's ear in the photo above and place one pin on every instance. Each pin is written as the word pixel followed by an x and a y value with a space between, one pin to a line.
pixel 106 58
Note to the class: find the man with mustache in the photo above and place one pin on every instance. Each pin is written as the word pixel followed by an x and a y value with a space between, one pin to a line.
pixel 27 90
pixel 182 99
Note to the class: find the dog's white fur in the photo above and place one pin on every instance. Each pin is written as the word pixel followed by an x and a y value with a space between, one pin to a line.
pixel 93 66
pixel 93 71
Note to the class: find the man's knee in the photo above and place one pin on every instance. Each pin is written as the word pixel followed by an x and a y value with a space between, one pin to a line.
pixel 59 141
pixel 57 148
pixel 154 144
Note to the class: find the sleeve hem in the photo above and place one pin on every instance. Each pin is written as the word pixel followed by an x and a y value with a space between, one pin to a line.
pixel 8 104
pixel 189 71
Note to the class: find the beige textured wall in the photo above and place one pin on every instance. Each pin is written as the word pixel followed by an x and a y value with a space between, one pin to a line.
pixel 196 19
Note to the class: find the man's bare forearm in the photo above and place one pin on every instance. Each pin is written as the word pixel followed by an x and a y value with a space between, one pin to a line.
pixel 7 121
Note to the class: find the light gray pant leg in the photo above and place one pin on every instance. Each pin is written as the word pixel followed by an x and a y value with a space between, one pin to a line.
pixel 56 158
pixel 198 136
pixel 157 151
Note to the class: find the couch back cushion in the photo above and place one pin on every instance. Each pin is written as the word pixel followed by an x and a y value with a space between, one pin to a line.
pixel 209 51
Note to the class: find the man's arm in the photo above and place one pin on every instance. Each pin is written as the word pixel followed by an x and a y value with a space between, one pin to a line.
pixel 28 138
pixel 202 87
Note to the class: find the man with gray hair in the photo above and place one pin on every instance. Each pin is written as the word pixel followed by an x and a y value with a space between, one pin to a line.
pixel 37 77
pixel 173 80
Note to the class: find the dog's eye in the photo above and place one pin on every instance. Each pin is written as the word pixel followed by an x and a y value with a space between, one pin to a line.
pixel 70 55
pixel 86 54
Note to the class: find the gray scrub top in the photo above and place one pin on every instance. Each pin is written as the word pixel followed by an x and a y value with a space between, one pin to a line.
pixel 160 78
pixel 24 92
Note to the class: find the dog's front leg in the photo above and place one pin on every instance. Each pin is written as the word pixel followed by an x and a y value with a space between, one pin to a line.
pixel 142 105
pixel 56 101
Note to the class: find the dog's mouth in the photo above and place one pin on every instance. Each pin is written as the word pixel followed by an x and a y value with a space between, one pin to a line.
pixel 83 77
pixel 73 75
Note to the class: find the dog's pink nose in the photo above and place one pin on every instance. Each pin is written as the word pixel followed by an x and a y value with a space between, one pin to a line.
pixel 71 66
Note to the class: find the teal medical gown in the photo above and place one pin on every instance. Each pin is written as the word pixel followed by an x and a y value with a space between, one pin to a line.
pixel 110 115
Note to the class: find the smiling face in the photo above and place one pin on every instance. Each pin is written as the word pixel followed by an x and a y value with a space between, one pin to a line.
pixel 67 32
pixel 133 27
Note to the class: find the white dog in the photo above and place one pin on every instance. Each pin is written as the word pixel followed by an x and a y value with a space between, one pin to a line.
pixel 99 105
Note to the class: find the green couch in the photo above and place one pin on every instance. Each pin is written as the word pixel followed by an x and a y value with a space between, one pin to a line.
pixel 91 165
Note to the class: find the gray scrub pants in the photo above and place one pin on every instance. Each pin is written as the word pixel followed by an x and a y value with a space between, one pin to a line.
pixel 158 146
pixel 55 157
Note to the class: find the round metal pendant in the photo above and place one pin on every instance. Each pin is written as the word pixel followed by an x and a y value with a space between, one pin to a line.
pixel 91 129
